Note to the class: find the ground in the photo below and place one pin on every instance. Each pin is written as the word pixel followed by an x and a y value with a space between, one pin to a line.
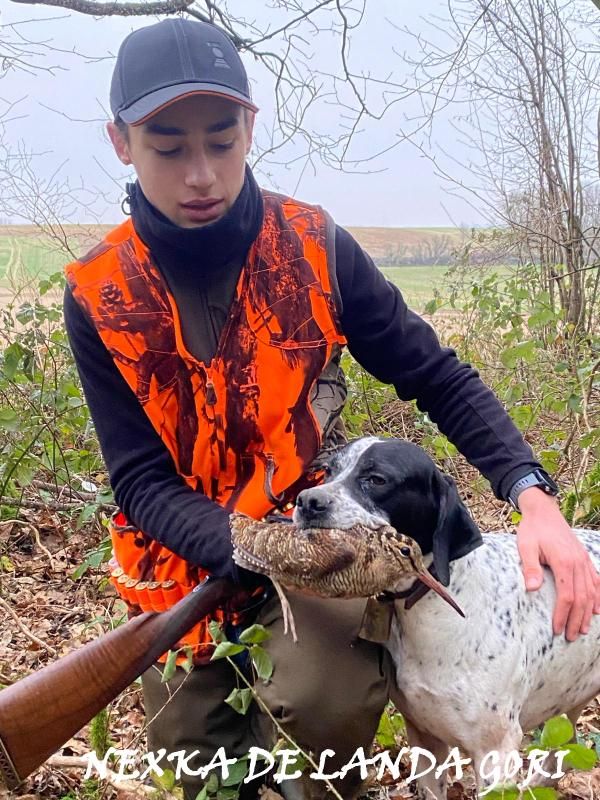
pixel 47 614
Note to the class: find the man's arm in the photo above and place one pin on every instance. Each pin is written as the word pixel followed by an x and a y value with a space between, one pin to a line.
pixel 398 347
pixel 142 473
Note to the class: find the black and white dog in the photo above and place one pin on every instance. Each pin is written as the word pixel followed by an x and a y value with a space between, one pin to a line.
pixel 477 683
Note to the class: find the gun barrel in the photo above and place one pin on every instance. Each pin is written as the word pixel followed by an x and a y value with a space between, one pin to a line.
pixel 44 710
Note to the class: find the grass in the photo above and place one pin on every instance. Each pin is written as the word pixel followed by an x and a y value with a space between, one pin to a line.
pixel 23 258
pixel 417 283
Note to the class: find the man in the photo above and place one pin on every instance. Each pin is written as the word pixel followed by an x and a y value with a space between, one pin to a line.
pixel 207 330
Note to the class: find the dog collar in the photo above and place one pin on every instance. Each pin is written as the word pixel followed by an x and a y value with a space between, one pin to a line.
pixel 380 610
pixel 411 595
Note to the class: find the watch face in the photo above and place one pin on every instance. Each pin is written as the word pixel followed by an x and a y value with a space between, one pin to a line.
pixel 546 482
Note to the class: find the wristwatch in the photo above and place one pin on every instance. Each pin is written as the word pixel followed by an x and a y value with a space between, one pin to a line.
pixel 535 478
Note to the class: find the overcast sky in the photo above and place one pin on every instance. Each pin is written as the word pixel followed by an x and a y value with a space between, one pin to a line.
pixel 401 189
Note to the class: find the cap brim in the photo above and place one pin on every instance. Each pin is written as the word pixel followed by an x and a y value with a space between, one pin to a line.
pixel 152 103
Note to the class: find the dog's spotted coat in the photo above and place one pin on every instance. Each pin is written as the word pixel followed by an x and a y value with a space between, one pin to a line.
pixel 479 682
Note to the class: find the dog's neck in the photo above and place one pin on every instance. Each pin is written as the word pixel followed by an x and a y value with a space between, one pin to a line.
pixel 409 590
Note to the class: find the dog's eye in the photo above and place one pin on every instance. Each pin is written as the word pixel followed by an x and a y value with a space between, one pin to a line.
pixel 376 480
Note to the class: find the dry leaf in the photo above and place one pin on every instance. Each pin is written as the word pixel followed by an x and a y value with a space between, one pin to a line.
pixel 583 784
pixel 268 794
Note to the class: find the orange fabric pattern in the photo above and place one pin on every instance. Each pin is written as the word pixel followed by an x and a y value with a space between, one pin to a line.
pixel 240 429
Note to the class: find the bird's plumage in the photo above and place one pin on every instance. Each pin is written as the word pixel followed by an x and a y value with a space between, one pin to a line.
pixel 356 562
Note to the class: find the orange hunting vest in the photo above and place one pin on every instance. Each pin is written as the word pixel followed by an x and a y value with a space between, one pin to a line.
pixel 240 429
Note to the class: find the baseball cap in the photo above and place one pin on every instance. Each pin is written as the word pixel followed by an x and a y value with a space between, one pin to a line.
pixel 161 63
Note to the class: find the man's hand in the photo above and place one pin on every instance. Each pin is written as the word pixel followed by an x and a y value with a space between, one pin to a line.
pixel 544 537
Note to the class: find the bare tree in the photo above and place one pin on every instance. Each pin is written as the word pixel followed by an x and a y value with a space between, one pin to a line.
pixel 524 75
pixel 285 47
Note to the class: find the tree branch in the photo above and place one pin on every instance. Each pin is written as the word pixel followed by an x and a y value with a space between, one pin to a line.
pixel 96 9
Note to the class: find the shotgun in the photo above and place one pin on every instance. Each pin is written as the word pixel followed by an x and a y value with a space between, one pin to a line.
pixel 41 712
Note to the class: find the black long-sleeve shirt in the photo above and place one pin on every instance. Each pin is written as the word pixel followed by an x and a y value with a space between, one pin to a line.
pixel 389 340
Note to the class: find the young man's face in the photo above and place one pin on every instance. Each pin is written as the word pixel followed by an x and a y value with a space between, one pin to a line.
pixel 190 157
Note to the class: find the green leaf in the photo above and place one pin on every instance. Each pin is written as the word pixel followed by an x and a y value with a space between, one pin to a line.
pixel 216 632
pixel 94 558
pixel 202 794
pixel 556 732
pixel 515 393
pixel 228 794
pixel 6 564
pixel 212 784
pixel 521 416
pixel 503 793
pixel 590 438
pixel 86 514
pixel 385 735
pixel 57 277
pixel 398 723
pixel 170 666
pixel 542 317
pixel 165 781
pixel 75 402
pixel 525 351
pixel 237 772
pixel 432 306
pixel 574 403
pixel 79 571
pixel 255 634
pixel 580 756
pixel 224 649
pixel 540 793
pixel 239 700
pixel 188 664
pixel 549 459
pixel 105 495
pixel 9 419
pixel 442 447
pixel 595 739
pixel 262 662
pixel 12 357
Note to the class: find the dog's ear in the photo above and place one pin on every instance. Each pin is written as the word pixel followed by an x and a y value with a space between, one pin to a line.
pixel 455 533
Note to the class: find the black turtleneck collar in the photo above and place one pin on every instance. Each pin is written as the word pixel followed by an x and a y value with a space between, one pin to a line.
pixel 207 248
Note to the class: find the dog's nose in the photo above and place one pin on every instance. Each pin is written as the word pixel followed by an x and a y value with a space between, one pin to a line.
pixel 313 501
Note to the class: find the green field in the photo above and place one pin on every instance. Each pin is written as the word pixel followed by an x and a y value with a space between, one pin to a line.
pixel 418 283
pixel 24 260
pixel 26 257
pixel 27 254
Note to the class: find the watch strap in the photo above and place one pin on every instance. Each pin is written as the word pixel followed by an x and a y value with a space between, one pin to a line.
pixel 537 478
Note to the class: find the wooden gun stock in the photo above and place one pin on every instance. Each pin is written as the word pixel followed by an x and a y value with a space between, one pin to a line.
pixel 41 712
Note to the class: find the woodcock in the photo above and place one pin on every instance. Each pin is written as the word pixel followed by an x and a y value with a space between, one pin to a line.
pixel 351 563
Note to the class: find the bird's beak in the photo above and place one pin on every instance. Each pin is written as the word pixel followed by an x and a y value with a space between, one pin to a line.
pixel 427 578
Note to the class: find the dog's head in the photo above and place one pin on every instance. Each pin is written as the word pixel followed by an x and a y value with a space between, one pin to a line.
pixel 391 481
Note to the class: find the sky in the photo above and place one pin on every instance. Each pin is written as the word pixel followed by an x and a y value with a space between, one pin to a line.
pixel 55 106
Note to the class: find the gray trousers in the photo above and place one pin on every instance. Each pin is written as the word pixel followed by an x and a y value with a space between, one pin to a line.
pixel 327 691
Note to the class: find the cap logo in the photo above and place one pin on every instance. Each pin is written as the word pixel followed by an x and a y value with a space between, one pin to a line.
pixel 219 56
